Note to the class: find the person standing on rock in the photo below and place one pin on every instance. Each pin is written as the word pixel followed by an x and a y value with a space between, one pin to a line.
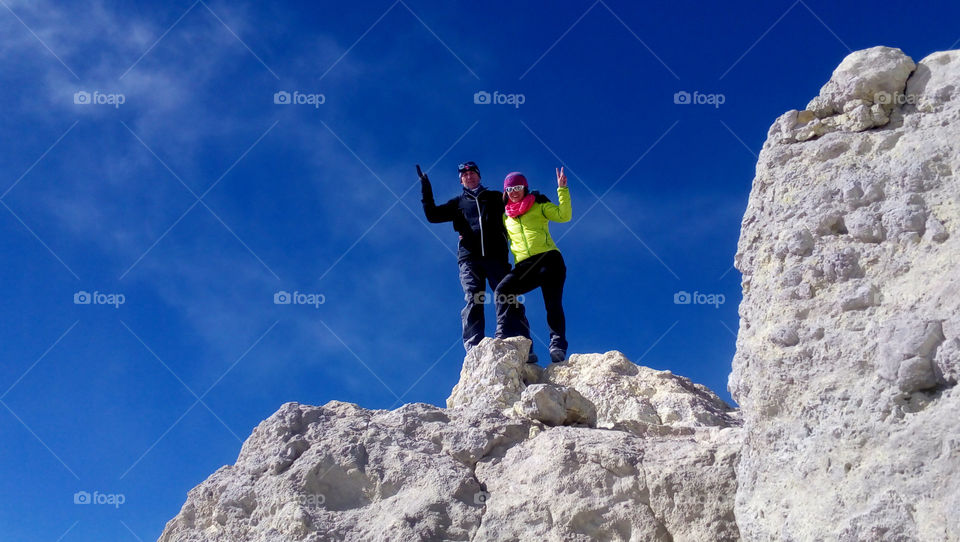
pixel 537 260
pixel 482 253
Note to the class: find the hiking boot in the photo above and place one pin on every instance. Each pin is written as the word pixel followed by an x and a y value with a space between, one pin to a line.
pixel 532 358
pixel 558 356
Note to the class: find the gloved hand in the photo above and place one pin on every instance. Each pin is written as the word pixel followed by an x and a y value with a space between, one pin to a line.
pixel 422 175
pixel 425 187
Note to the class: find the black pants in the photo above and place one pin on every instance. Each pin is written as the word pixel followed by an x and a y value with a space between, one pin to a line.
pixel 511 317
pixel 547 272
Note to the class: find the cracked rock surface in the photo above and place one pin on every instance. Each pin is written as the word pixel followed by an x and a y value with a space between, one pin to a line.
pixel 848 351
pixel 516 455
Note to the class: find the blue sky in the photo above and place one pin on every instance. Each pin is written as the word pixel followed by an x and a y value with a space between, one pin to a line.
pixel 198 198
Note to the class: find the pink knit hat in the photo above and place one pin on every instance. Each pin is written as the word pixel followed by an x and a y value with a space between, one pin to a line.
pixel 515 179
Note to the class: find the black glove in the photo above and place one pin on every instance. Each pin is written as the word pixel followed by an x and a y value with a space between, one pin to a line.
pixel 425 187
pixel 422 175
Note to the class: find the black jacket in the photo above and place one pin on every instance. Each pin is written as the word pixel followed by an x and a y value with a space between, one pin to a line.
pixel 478 220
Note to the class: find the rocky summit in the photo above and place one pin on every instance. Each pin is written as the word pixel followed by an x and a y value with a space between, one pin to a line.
pixel 593 448
pixel 848 356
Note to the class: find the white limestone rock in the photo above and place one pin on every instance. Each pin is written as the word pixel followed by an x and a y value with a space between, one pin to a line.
pixel 585 485
pixel 494 376
pixel 556 405
pixel 509 459
pixel 848 351
pixel 863 92
pixel 320 473
pixel 624 391
pixel 861 81
pixel 934 84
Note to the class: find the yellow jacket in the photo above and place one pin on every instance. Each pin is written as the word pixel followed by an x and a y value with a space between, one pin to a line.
pixel 530 232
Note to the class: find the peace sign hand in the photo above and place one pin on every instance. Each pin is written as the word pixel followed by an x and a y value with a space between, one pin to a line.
pixel 561 178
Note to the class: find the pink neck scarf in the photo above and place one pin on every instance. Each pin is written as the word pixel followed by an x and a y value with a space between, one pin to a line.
pixel 515 209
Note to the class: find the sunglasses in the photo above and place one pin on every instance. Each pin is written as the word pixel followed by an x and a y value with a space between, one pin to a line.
pixel 517 188
pixel 467 166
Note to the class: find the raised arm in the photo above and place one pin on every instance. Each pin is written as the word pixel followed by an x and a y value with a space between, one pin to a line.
pixel 562 212
pixel 434 213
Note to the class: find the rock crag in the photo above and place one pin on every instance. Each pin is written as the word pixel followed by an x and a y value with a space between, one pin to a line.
pixel 846 370
pixel 848 352
pixel 596 448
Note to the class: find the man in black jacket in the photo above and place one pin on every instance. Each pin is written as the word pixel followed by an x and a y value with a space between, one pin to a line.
pixel 477 215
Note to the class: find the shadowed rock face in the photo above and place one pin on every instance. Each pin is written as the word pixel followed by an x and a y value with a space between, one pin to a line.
pixel 849 345
pixel 847 361
pixel 519 454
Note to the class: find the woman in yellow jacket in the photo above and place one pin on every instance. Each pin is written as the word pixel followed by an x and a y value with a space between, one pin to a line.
pixel 537 260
